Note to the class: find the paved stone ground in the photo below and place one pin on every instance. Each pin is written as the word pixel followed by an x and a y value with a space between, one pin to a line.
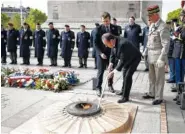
pixel 20 106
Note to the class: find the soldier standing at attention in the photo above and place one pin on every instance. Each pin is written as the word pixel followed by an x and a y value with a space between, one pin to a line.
pixel 114 21
pixel 103 52
pixel 25 43
pixel 39 42
pixel 3 44
pixel 12 42
pixel 67 42
pixel 132 32
pixel 93 46
pixel 52 44
pixel 157 49
pixel 83 44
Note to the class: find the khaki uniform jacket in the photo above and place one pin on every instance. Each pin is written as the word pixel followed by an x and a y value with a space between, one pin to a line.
pixel 158 42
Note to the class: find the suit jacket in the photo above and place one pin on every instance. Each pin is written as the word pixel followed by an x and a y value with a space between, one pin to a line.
pixel 127 53
pixel 158 42
pixel 100 47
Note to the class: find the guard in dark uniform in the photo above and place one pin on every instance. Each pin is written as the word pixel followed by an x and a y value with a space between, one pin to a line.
pixel 3 44
pixel 53 38
pixel 93 46
pixel 83 45
pixel 133 32
pixel 114 21
pixel 39 44
pixel 25 43
pixel 12 42
pixel 67 42
pixel 103 52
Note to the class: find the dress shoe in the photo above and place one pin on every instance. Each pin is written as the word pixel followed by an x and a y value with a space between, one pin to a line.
pixel 51 65
pixel 95 67
pixel 123 100
pixel 80 66
pixel 69 65
pixel 146 70
pixel 170 81
pixel 85 66
pixel 119 93
pixel 175 99
pixel 98 92
pixel 28 63
pixel 147 96
pixel 64 66
pixel 174 89
pixel 55 65
pixel 11 62
pixel 157 102
pixel 178 102
pixel 22 63
pixel 111 89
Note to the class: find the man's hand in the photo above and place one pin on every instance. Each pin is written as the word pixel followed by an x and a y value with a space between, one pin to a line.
pixel 110 75
pixel 160 63
pixel 110 67
pixel 103 56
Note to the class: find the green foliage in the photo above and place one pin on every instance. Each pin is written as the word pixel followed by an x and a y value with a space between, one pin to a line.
pixel 4 19
pixel 16 20
pixel 174 14
pixel 35 16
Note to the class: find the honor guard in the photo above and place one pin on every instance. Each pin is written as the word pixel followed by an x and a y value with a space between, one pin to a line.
pixel 67 42
pixel 39 42
pixel 83 45
pixel 12 42
pixel 3 44
pixel 53 39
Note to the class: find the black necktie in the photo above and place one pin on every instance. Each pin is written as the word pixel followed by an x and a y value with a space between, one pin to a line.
pixel 107 29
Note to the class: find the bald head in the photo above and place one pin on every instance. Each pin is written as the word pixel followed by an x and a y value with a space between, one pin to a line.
pixel 109 40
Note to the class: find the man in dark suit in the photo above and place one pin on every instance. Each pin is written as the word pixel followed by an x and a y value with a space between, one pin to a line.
pixel 3 44
pixel 103 52
pixel 129 57
pixel 114 21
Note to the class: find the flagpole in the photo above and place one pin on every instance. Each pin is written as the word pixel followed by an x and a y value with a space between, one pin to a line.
pixel 21 12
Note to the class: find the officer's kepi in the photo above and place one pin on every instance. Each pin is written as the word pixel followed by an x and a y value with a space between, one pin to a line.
pixel 153 9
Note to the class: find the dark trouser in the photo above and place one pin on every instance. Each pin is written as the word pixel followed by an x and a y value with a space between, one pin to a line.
pixel 26 59
pixel 172 69
pixel 13 57
pixel 67 61
pixel 146 61
pixel 110 81
pixel 179 70
pixel 127 77
pixel 3 58
pixel 53 60
pixel 95 62
pixel 40 60
pixel 102 64
pixel 83 61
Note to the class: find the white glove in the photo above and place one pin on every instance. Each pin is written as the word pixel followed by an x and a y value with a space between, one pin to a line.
pixel 110 67
pixel 160 63
pixel 144 54
pixel 103 56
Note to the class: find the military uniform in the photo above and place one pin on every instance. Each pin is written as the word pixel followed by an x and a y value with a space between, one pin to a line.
pixel 67 42
pixel 25 44
pixel 132 33
pixel 93 46
pixel 12 42
pixel 83 44
pixel 39 44
pixel 53 39
pixel 157 46
pixel 3 45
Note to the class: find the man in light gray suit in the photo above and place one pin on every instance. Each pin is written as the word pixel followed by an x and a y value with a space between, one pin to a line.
pixel 157 49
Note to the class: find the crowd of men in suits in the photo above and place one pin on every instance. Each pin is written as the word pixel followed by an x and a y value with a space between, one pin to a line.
pixel 110 50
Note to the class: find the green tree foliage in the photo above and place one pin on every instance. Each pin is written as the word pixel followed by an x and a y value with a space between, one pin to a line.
pixel 16 20
pixel 35 16
pixel 174 14
pixel 4 19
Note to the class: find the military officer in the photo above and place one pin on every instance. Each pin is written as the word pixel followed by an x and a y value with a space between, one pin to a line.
pixel 67 42
pixel 133 32
pixel 144 43
pixel 157 48
pixel 39 42
pixel 103 52
pixel 93 46
pixel 83 44
pixel 12 42
pixel 114 21
pixel 25 43
pixel 3 44
pixel 53 38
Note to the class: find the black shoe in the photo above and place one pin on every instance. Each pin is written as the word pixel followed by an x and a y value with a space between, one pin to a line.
pixel 69 66
pixel 22 63
pixel 98 92
pixel 51 65
pixel 95 67
pixel 28 63
pixel 175 99
pixel 85 66
pixel 174 89
pixel 170 81
pixel 157 102
pixel 15 63
pixel 64 66
pixel 146 70
pixel 55 65
pixel 147 96
pixel 178 102
pixel 123 100
pixel 11 62
pixel 119 93
pixel 80 66
pixel 111 89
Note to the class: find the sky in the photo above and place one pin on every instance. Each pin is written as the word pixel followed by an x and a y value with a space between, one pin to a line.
pixel 168 5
